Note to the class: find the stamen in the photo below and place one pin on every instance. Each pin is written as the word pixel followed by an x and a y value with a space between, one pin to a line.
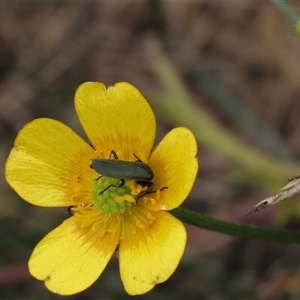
pixel 111 197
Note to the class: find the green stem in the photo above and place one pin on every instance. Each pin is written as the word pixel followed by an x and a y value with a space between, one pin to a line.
pixel 286 9
pixel 235 229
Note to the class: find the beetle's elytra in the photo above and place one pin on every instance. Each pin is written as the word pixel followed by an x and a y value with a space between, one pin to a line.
pixel 123 169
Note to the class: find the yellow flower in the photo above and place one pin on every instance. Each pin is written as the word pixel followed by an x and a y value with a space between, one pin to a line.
pixel 50 166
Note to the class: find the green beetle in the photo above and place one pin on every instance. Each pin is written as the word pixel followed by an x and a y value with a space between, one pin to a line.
pixel 122 169
pixel 125 170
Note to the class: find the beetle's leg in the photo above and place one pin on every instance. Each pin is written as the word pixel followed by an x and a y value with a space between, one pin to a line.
pixel 149 188
pixel 137 159
pixel 112 185
pixel 96 179
pixel 152 192
pixel 114 154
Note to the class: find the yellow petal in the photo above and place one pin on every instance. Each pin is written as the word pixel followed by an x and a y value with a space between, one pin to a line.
pixel 69 259
pixel 49 164
pixel 116 118
pixel 175 166
pixel 151 255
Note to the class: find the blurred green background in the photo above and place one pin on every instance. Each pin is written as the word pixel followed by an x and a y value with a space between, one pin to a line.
pixel 229 71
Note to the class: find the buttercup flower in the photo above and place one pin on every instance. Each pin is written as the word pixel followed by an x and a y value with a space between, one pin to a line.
pixel 50 166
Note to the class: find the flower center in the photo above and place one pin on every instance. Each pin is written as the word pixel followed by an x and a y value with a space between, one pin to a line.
pixel 112 196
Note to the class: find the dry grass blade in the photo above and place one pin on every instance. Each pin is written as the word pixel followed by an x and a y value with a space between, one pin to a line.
pixel 289 190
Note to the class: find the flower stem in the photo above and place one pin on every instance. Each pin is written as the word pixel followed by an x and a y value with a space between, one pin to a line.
pixel 235 229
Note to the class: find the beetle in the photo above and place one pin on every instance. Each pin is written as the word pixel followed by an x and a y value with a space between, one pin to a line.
pixel 125 170
pixel 122 169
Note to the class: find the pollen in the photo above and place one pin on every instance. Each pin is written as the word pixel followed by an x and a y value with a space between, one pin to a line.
pixel 112 196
